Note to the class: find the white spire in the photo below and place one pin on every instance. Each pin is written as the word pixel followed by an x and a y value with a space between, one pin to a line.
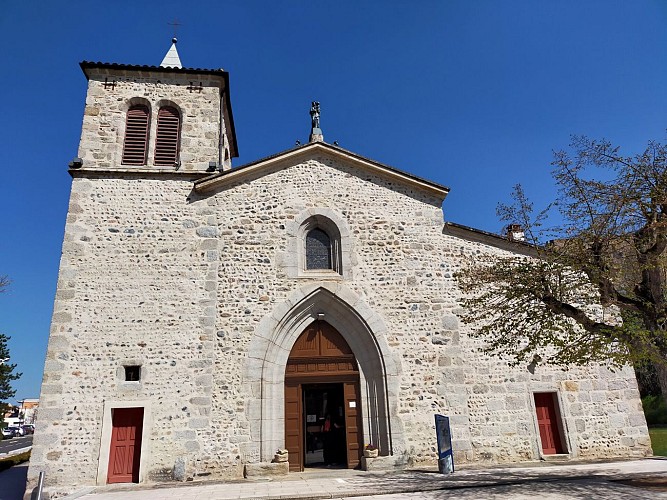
pixel 171 60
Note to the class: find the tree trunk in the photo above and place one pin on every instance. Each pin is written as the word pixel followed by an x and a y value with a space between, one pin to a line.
pixel 661 372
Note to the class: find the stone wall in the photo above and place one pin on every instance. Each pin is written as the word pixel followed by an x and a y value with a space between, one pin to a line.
pixel 112 91
pixel 183 283
pixel 134 288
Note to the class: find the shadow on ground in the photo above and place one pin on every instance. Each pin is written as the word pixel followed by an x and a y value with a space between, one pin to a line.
pixel 12 482
pixel 505 484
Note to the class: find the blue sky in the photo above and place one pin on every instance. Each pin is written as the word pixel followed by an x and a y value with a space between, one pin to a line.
pixel 474 95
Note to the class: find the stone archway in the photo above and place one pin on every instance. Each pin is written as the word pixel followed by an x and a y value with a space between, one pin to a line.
pixel 365 333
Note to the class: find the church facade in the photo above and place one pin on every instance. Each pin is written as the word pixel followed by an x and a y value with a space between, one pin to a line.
pixel 208 316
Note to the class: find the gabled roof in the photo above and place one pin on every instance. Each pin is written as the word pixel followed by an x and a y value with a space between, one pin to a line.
pixel 258 167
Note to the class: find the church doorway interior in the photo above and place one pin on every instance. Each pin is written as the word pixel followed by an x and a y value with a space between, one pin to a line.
pixel 324 425
pixel 322 401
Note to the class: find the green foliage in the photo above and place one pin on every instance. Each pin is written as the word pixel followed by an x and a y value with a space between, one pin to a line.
pixel 509 303
pixel 592 287
pixel 6 463
pixel 655 410
pixel 659 441
pixel 7 375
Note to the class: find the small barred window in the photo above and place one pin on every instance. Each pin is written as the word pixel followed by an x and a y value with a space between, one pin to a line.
pixel 132 373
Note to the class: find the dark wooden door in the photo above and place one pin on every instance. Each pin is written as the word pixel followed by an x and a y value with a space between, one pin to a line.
pixel 320 356
pixel 125 453
pixel 547 422
pixel 353 423
pixel 293 425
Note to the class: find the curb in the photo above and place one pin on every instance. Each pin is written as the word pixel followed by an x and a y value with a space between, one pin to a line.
pixel 15 452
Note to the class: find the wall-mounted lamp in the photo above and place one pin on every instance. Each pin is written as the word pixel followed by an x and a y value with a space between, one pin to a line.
pixel 212 166
pixel 76 163
pixel 320 315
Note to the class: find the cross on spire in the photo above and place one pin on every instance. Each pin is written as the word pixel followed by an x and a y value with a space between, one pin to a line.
pixel 175 24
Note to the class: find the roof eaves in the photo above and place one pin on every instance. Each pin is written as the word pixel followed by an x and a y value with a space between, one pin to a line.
pixel 143 67
pixel 493 239
pixel 232 127
pixel 206 182
pixel 389 167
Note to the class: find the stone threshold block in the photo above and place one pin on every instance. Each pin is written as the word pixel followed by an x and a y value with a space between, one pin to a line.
pixel 381 463
pixel 266 469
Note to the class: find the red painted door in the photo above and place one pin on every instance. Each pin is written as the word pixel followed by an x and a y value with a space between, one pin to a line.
pixel 547 422
pixel 125 450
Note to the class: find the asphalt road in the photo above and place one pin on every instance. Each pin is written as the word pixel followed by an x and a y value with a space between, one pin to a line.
pixel 7 445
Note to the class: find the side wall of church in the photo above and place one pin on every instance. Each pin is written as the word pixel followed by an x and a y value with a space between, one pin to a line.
pixel 600 410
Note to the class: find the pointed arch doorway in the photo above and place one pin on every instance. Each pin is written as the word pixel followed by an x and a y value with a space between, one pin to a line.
pixel 322 401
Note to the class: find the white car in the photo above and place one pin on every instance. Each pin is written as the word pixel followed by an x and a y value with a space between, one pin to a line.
pixel 8 433
pixel 17 430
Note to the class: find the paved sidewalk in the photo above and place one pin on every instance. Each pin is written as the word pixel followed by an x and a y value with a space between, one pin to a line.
pixel 321 484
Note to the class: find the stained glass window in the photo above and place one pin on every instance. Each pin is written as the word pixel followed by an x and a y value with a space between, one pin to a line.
pixel 318 250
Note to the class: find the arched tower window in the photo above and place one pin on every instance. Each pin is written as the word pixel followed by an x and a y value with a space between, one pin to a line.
pixel 318 250
pixel 135 146
pixel 168 136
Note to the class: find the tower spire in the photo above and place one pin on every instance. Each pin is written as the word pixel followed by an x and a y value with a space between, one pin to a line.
pixel 316 134
pixel 171 59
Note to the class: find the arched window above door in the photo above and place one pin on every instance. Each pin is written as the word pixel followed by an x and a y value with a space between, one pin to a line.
pixel 318 250
pixel 319 245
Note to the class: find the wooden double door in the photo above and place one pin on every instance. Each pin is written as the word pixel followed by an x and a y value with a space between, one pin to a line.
pixel 322 401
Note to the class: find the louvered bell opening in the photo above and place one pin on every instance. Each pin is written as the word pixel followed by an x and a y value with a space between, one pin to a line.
pixel 136 136
pixel 168 131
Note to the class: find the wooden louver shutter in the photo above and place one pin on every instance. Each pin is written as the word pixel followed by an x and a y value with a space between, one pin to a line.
pixel 167 137
pixel 136 136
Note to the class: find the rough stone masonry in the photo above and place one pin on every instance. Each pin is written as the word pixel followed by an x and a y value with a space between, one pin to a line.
pixel 198 279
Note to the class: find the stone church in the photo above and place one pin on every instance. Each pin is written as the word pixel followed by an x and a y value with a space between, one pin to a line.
pixel 209 315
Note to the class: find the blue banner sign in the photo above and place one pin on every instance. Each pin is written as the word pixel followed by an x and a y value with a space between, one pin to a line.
pixel 444 435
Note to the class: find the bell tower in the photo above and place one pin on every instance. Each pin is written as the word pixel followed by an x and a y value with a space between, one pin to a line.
pixel 153 119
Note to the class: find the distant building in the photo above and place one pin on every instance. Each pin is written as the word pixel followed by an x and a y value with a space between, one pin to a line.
pixel 28 410
pixel 207 316
pixel 11 415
